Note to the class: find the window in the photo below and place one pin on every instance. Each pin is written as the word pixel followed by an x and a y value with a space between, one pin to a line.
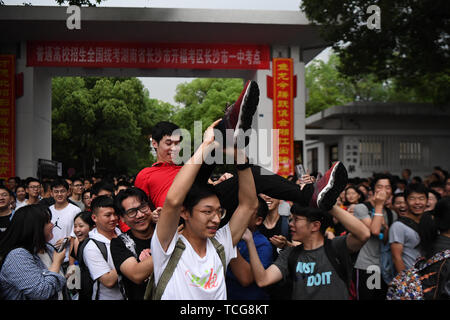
pixel 313 161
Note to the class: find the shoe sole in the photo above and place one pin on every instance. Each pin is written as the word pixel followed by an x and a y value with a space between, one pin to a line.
pixel 249 106
pixel 330 191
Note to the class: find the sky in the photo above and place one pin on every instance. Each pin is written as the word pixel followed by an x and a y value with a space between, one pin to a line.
pixel 164 88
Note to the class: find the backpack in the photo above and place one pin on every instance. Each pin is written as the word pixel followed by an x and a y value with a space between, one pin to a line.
pixel 87 283
pixel 387 267
pixel 423 281
pixel 284 225
pixel 338 265
pixel 155 293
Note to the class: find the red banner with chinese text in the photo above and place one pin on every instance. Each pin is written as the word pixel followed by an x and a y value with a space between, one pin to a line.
pixel 283 116
pixel 7 116
pixel 147 55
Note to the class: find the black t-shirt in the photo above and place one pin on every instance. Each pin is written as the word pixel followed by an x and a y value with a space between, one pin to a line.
pixel 276 230
pixel 4 223
pixel 120 253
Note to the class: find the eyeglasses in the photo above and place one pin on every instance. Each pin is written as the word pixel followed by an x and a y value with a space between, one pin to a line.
pixel 144 208
pixel 221 212
pixel 60 191
pixel 34 187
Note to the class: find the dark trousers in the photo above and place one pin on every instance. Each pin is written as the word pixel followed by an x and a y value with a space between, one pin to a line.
pixel 266 182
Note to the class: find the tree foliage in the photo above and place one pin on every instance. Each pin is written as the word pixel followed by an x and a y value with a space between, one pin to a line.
pixel 412 47
pixel 328 87
pixel 79 3
pixel 106 119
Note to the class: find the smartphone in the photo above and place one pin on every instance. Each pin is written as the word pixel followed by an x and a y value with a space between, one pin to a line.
pixel 300 171
pixel 63 244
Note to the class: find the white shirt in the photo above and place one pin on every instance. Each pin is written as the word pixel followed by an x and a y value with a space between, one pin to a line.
pixel 63 223
pixel 97 265
pixel 194 278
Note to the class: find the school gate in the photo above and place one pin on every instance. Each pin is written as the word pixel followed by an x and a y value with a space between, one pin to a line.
pixel 36 45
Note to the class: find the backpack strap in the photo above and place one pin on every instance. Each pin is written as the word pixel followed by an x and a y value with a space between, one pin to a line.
pixel 221 252
pixel 410 223
pixel 336 262
pixel 102 247
pixel 155 293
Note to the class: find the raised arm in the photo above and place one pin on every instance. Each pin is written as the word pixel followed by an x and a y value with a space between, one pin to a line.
pixel 248 201
pixel 170 213
pixel 263 277
pixel 358 231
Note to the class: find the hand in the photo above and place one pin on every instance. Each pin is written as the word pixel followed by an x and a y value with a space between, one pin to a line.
pixel 208 136
pixel 278 241
pixel 145 254
pixel 224 177
pixel 247 236
pixel 155 214
pixel 351 209
pixel 70 270
pixel 59 256
pixel 180 228
pixel 380 197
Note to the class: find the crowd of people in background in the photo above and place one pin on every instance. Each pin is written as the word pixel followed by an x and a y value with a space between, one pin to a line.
pixel 181 232
pixel 69 203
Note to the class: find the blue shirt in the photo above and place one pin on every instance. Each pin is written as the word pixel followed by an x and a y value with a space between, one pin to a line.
pixel 24 276
pixel 252 292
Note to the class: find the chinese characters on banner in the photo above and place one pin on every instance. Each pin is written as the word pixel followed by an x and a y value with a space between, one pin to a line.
pixel 147 55
pixel 283 116
pixel 7 116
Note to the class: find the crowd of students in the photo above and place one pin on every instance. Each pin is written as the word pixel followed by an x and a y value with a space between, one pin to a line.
pixel 174 233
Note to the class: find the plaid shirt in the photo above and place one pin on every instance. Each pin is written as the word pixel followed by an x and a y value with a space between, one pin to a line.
pixel 25 277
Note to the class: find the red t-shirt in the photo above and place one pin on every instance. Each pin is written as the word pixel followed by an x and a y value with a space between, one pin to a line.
pixel 156 181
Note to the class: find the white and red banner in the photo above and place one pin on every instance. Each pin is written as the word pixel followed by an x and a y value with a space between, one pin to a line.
pixel 147 55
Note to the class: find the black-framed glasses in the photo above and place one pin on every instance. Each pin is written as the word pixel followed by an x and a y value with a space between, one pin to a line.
pixel 132 212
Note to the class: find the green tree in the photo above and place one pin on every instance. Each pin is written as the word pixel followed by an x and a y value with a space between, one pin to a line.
pixel 328 87
pixel 412 46
pixel 80 3
pixel 106 119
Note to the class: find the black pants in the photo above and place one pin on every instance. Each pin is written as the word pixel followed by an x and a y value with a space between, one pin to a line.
pixel 266 182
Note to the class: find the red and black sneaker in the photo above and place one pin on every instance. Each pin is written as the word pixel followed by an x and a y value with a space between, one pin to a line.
pixel 329 187
pixel 239 115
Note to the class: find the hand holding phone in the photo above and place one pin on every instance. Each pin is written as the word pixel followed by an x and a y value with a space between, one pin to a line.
pixel 63 245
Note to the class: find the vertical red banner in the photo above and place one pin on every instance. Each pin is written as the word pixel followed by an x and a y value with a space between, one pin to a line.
pixel 283 116
pixel 7 116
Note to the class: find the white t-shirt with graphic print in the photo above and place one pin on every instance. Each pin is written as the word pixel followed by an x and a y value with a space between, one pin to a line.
pixel 194 278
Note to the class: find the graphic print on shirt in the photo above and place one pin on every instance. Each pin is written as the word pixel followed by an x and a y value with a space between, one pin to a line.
pixel 206 281
pixel 306 270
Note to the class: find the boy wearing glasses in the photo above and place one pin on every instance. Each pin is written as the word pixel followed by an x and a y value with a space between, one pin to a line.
pixel 200 271
pixel 131 250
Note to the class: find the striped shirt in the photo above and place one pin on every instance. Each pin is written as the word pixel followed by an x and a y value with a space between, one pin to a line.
pixel 24 276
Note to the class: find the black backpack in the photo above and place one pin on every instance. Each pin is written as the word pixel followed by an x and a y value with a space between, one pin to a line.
pixel 338 265
pixel 87 283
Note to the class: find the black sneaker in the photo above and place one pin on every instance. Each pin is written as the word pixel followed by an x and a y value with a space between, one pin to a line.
pixel 329 187
pixel 239 115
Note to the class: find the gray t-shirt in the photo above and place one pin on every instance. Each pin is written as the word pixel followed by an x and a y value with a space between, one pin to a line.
pixel 401 233
pixel 369 254
pixel 316 278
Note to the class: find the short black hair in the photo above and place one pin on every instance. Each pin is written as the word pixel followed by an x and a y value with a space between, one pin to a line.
pixel 397 195
pixel 263 209
pixel 313 214
pixel 102 202
pixel 380 176
pixel 102 185
pixel 59 183
pixel 196 194
pixel 417 188
pixel 163 128
pixel 131 192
